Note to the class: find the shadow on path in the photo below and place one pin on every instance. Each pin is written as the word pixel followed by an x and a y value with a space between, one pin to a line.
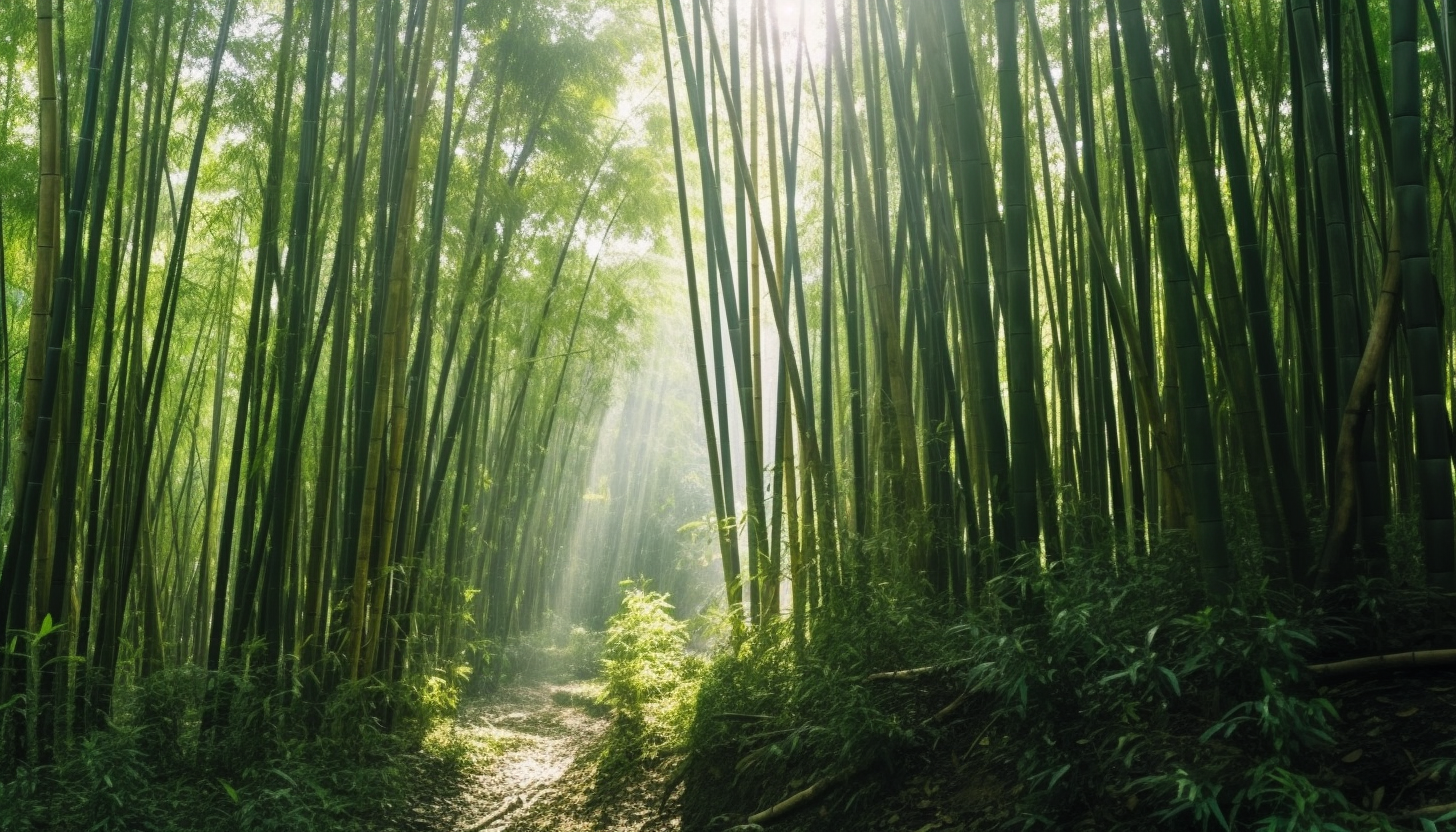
pixel 543 775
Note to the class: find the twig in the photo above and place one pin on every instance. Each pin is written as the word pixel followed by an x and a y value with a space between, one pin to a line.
pixel 941 714
pixel 506 808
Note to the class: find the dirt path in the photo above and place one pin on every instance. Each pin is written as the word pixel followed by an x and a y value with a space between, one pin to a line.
pixel 543 775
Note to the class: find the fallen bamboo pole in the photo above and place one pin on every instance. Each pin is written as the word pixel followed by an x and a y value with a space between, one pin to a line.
pixel 1412 658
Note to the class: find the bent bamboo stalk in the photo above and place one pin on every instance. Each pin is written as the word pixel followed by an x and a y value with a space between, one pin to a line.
pixel 1341 536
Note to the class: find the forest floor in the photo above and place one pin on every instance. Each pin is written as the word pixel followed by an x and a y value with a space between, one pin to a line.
pixel 543 772
pixel 1390 757
pixel 543 745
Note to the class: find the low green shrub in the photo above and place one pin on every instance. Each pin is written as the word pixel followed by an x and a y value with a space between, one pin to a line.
pixel 648 678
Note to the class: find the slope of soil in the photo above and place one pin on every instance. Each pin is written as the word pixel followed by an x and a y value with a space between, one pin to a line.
pixel 1392 757
pixel 547 771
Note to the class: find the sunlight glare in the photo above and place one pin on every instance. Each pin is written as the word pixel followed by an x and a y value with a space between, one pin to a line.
pixel 794 18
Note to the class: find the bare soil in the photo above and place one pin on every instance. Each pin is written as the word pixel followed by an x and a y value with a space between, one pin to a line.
pixel 542 771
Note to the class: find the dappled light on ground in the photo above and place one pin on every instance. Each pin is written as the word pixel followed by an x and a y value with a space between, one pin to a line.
pixel 542 773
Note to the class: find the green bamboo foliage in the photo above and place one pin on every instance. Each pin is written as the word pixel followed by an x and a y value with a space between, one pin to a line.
pixel 186 528
pixel 329 403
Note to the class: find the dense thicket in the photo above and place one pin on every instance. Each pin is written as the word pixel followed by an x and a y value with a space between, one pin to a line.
pixel 313 313
pixel 312 320
pixel 1091 362
pixel 1039 274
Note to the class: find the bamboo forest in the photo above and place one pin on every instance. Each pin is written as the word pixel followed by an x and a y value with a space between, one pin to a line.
pixel 727 415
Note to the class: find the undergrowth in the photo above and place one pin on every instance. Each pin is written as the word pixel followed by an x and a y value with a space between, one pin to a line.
pixel 558 650
pixel 152 767
pixel 649 680
pixel 1186 714
pixel 1101 690
pixel 772 717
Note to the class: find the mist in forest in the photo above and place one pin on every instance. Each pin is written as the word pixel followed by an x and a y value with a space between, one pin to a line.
pixel 647 512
